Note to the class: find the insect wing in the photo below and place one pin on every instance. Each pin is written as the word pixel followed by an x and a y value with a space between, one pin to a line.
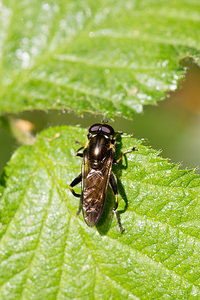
pixel 94 188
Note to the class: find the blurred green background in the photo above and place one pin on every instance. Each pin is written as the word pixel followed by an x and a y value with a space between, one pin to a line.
pixel 173 126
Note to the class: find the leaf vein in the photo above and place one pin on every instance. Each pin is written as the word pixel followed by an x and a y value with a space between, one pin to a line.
pixel 19 204
pixel 62 263
pixel 38 242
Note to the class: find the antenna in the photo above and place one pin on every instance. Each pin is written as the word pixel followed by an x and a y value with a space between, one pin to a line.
pixel 104 121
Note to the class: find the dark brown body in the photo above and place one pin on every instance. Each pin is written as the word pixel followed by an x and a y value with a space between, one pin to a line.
pixel 96 174
pixel 96 169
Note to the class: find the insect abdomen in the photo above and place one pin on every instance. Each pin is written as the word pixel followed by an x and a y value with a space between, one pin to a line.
pixel 93 197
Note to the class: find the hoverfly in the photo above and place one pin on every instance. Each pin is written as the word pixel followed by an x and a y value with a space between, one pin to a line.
pixel 98 157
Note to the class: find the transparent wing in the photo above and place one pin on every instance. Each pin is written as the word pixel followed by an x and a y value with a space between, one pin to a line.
pixel 94 188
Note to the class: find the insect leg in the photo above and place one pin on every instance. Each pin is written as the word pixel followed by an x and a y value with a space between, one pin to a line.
pixel 116 161
pixel 113 184
pixel 75 182
pixel 79 154
pixel 77 142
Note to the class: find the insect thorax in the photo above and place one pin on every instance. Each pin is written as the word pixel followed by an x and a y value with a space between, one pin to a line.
pixel 98 149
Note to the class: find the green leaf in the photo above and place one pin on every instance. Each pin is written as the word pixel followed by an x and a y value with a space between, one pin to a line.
pixel 109 57
pixel 47 252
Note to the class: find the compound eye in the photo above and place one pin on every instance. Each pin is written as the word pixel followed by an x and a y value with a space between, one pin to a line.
pixel 94 128
pixel 108 130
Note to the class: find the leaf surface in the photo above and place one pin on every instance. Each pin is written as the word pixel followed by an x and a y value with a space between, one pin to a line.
pixel 47 252
pixel 106 57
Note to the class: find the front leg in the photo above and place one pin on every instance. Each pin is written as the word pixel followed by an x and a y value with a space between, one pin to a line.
pixel 79 154
pixel 116 161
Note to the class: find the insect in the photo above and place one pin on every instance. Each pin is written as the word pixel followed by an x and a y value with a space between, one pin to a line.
pixel 96 174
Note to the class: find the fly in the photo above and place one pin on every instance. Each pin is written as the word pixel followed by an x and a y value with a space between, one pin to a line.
pixel 96 174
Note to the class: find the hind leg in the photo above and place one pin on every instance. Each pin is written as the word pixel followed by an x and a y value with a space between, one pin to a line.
pixel 113 183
